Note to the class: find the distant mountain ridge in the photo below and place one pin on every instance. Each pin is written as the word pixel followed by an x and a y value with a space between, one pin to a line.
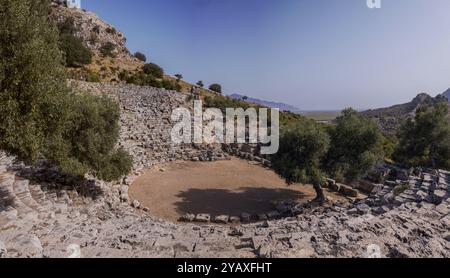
pixel 390 118
pixel 270 104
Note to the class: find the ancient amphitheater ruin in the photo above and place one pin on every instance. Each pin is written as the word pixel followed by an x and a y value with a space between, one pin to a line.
pixel 46 214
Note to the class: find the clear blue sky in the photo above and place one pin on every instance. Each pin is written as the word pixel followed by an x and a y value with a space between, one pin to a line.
pixel 314 54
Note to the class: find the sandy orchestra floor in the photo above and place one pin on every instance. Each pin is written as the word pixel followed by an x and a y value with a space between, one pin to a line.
pixel 223 187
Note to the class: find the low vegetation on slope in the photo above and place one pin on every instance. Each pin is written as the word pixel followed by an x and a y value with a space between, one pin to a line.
pixel 39 115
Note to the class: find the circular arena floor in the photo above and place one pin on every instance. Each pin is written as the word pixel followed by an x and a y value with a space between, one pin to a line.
pixel 218 188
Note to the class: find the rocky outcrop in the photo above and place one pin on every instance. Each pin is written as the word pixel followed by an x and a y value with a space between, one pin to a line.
pixel 95 34
pixel 46 214
pixel 93 31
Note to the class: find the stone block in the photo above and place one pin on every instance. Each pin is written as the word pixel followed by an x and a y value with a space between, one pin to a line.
pixel 329 183
pixel 273 215
pixel 235 219
pixel 136 204
pixel 262 217
pixel 202 218
pixel 438 196
pixel 443 209
pixel 246 217
pixel 335 187
pixel 222 219
pixel 347 191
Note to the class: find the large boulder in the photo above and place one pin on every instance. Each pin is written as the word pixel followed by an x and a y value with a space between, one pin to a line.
pixel 26 246
pixel 203 218
pixel 367 186
pixel 348 191
pixel 246 217
pixel 222 219
pixel 188 217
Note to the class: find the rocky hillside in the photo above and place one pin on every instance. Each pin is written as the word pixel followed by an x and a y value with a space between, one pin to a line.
pixel 96 33
pixel 390 118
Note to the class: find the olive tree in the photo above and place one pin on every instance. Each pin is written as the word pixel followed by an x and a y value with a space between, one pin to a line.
pixel 32 82
pixel 216 88
pixel 356 146
pixel 302 147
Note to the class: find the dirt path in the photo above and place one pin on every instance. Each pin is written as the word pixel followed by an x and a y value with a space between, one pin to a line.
pixel 223 187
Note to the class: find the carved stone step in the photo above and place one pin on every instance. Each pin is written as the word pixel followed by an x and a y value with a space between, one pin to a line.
pixel 22 192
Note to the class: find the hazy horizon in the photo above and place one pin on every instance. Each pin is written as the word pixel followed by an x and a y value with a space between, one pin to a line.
pixel 312 54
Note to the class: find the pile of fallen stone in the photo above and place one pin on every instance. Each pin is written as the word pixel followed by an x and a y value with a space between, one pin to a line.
pixel 249 152
pixel 431 186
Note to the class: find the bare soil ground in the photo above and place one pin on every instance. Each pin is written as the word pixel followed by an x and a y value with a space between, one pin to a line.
pixel 223 187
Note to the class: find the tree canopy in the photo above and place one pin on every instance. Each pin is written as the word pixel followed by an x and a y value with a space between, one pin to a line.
pixel 216 88
pixel 425 140
pixel 302 148
pixel 356 146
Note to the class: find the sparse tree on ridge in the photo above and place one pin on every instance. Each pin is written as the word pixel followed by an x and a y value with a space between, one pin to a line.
pixel 200 84
pixel 178 77
pixel 140 56
pixel 216 88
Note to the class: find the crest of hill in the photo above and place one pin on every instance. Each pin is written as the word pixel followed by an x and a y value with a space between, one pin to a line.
pixel 391 117
pixel 95 34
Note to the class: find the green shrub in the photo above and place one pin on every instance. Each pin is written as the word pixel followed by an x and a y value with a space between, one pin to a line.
pixel 76 53
pixel 216 88
pixel 140 56
pixel 124 75
pixel 89 139
pixel 111 30
pixel 67 26
pixel 92 76
pixel 154 70
pixel 107 50
pixel 171 85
